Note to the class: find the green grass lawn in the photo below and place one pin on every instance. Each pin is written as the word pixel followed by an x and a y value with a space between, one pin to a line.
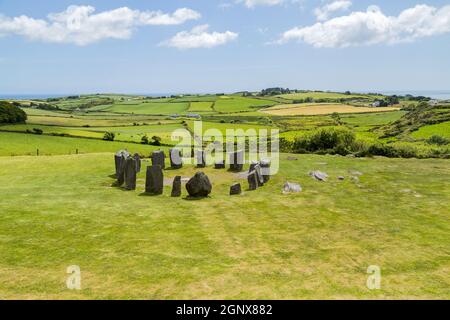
pixel 61 210
pixel 441 129
pixel 201 107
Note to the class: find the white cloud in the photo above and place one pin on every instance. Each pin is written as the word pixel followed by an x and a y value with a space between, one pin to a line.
pixel 323 13
pixel 373 27
pixel 254 3
pixel 81 26
pixel 199 37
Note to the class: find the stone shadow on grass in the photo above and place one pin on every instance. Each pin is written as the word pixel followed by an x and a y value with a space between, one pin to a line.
pixel 190 198
pixel 147 194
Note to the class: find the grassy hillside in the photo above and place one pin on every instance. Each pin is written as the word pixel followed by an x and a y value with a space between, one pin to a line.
pixel 61 210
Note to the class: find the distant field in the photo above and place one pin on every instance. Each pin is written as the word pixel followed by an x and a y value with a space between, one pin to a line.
pixel 441 129
pixel 92 121
pixel 126 133
pixel 326 95
pixel 236 104
pixel 150 108
pixel 320 109
pixel 201 107
pixel 372 119
pixel 26 144
pixel 222 127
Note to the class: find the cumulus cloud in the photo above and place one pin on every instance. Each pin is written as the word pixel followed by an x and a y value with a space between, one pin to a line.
pixel 254 3
pixel 199 37
pixel 81 26
pixel 323 13
pixel 373 27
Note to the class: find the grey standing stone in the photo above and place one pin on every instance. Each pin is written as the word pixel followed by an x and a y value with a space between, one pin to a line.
pixel 176 187
pixel 220 164
pixel 201 160
pixel 137 160
pixel 130 174
pixel 235 189
pixel 119 159
pixel 176 161
pixel 259 177
pixel 199 185
pixel 252 180
pixel 154 182
pixel 237 161
pixel 265 169
pixel 159 159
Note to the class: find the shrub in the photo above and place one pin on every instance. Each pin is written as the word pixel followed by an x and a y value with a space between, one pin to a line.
pixel 11 114
pixel 438 140
pixel 331 140
pixel 144 139
pixel 109 136
pixel 37 131
pixel 156 141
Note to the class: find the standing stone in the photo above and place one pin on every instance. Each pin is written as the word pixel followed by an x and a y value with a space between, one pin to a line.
pixel 199 185
pixel 252 180
pixel 137 160
pixel 265 169
pixel 259 177
pixel 176 187
pixel 237 161
pixel 130 174
pixel 201 161
pixel 175 158
pixel 235 189
pixel 159 159
pixel 154 182
pixel 119 159
pixel 318 175
pixel 219 164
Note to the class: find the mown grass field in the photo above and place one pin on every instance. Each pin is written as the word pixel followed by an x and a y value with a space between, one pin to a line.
pixel 61 210
pixel 237 104
pixel 164 108
pixel 326 95
pixel 320 109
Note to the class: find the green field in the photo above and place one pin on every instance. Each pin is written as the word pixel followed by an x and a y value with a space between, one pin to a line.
pixel 237 104
pixel 201 107
pixel 326 95
pixel 441 129
pixel 61 210
pixel 16 144
pixel 164 108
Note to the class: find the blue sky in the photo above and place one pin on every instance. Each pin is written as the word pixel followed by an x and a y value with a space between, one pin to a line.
pixel 222 46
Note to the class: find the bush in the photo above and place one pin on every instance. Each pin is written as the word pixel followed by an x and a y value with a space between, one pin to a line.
pixel 37 131
pixel 438 140
pixel 11 114
pixel 109 136
pixel 329 140
pixel 144 139
pixel 156 141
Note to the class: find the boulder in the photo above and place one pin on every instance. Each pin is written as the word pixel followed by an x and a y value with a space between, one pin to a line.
pixel 291 188
pixel 176 187
pixel 235 189
pixel 159 159
pixel 130 174
pixel 199 185
pixel 200 158
pixel 252 180
pixel 176 161
pixel 154 183
pixel 341 178
pixel 237 161
pixel 318 175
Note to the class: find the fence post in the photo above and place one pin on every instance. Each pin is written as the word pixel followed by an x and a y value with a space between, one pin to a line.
pixel 77 151
pixel 37 152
